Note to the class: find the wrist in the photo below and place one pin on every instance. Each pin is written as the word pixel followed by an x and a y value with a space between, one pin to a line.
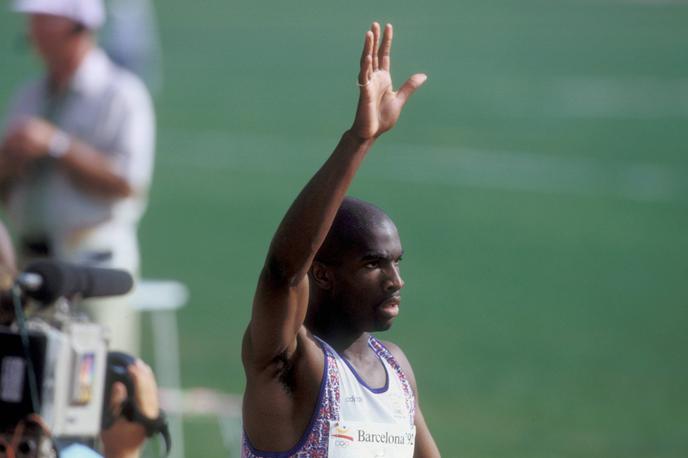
pixel 59 144
pixel 357 140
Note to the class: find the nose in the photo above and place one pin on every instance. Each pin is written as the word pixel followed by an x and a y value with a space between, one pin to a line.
pixel 394 282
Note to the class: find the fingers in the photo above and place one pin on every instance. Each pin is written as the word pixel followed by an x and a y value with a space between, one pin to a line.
pixel 376 52
pixel 118 396
pixel 409 87
pixel 367 46
pixel 375 28
pixel 146 388
pixel 383 53
pixel 366 60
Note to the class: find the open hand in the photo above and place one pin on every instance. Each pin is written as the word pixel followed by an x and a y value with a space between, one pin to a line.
pixel 379 106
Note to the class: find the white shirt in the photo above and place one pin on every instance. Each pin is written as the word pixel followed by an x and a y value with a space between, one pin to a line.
pixel 109 109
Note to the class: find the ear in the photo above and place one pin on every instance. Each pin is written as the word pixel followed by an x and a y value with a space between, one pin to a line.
pixel 321 275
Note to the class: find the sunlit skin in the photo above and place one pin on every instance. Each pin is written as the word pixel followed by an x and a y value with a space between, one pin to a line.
pixel 339 286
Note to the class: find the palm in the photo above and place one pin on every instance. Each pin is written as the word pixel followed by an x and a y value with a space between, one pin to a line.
pixel 379 106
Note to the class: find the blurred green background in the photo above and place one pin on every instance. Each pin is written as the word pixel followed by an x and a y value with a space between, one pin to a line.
pixel 539 181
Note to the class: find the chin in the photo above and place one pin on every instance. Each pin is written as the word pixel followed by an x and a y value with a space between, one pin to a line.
pixel 382 326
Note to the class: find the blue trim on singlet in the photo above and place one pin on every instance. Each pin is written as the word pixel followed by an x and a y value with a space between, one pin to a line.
pixel 311 422
pixel 380 390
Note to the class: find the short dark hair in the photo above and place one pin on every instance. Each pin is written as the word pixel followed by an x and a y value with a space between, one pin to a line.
pixel 351 227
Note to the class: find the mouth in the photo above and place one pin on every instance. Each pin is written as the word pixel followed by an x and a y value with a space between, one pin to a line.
pixel 390 307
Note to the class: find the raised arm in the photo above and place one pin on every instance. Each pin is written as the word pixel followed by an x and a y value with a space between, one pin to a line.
pixel 281 299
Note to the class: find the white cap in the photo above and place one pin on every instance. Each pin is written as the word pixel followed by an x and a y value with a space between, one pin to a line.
pixel 90 13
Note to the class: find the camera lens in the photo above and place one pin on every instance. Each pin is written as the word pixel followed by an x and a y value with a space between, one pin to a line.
pixel 26 447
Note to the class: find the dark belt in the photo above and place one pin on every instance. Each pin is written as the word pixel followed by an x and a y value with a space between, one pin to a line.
pixel 40 247
pixel 35 247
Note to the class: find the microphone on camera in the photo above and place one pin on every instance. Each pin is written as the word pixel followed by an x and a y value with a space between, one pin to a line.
pixel 46 281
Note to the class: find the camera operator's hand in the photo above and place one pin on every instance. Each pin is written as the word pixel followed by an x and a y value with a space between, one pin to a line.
pixel 124 438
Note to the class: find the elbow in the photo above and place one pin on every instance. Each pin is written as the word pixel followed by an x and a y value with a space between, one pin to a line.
pixel 122 189
pixel 114 190
pixel 112 187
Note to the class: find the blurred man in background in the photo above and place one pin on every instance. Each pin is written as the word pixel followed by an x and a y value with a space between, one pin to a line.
pixel 76 155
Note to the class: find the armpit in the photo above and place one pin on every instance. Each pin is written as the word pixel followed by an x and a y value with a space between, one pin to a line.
pixel 284 371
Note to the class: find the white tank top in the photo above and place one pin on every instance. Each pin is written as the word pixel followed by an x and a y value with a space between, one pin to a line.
pixel 352 419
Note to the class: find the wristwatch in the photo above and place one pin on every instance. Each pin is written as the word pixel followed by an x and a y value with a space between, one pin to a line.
pixel 152 426
pixel 59 144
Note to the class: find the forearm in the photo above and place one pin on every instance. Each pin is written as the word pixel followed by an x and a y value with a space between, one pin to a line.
pixel 91 170
pixel 309 218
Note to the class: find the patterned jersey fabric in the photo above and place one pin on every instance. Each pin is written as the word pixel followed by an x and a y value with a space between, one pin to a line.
pixel 329 406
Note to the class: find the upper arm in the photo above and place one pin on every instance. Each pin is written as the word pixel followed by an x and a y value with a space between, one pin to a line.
pixel 283 365
pixel 116 159
pixel 425 444
pixel 279 309
pixel 133 150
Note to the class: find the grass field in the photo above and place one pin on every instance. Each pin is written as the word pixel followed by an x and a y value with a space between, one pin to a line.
pixel 539 181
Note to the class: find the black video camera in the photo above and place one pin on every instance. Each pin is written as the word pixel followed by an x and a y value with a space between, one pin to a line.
pixel 56 374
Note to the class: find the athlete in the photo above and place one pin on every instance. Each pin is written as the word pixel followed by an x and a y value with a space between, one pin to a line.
pixel 318 383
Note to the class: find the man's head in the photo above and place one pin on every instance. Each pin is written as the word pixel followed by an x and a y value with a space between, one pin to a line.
pixel 59 27
pixel 355 276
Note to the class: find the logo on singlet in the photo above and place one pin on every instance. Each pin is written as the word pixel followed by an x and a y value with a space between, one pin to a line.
pixel 383 438
pixel 342 436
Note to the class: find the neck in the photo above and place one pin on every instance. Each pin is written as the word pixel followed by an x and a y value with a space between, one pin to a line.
pixel 346 343
pixel 62 69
